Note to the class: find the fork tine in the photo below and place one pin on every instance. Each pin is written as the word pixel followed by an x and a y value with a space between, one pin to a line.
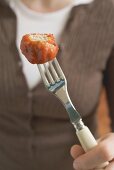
pixel 61 74
pixel 45 80
pixel 49 74
pixel 53 71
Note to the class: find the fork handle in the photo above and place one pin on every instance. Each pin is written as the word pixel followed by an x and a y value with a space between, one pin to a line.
pixel 88 141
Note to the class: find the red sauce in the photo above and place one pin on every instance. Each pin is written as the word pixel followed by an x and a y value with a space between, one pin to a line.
pixel 39 48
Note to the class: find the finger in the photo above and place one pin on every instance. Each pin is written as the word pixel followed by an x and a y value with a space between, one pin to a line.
pixel 103 152
pixel 105 137
pixel 110 166
pixel 76 151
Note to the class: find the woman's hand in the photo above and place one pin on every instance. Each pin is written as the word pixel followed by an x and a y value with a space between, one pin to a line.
pixel 103 152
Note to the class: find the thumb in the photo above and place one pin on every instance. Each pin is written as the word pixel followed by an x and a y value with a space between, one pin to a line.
pixel 76 151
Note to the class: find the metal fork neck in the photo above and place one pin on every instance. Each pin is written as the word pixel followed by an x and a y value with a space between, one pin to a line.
pixel 63 95
pixel 73 113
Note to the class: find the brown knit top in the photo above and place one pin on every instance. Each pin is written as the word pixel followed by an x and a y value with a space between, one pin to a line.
pixel 86 56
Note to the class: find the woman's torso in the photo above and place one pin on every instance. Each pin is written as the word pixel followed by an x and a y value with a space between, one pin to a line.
pixel 86 43
pixel 34 125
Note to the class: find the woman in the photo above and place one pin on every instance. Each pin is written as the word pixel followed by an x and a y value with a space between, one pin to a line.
pixel 35 132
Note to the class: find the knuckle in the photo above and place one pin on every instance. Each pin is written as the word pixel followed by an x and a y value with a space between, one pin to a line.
pixel 112 135
pixel 107 136
pixel 105 151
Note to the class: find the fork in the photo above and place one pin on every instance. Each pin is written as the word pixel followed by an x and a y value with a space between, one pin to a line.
pixel 56 83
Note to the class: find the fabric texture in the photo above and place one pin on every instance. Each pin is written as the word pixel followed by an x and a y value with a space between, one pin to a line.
pixel 35 132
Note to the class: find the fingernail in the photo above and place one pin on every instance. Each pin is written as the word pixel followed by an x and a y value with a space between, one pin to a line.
pixel 74 165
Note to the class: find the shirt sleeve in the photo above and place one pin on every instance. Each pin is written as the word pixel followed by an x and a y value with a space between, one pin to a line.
pixel 109 85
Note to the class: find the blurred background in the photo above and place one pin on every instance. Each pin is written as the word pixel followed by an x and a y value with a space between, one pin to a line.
pixel 103 115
